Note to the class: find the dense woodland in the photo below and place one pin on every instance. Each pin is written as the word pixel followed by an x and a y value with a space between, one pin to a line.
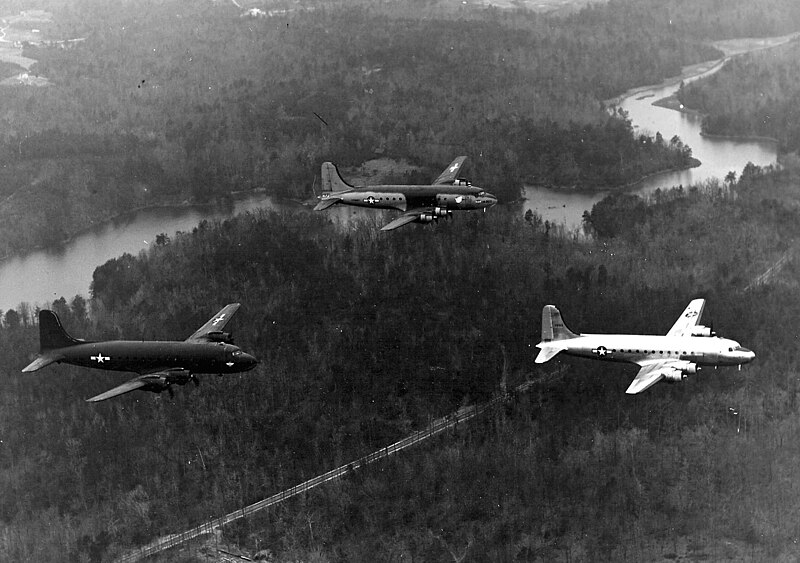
pixel 756 94
pixel 167 102
pixel 364 337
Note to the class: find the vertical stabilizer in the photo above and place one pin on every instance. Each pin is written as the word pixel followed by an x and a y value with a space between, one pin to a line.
pixel 553 327
pixel 52 335
pixel 332 180
pixel 553 331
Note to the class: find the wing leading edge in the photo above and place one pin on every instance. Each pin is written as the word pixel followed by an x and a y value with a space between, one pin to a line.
pixel 215 323
pixel 127 387
pixel 451 172
pixel 688 319
pixel 404 219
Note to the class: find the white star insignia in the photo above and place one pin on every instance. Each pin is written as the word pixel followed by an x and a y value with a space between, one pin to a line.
pixel 601 351
pixel 454 168
pixel 99 358
pixel 218 319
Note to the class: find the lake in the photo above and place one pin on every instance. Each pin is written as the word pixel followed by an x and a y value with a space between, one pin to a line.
pixel 44 275
pixel 718 157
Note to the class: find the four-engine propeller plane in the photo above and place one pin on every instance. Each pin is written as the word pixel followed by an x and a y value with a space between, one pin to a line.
pixel 685 348
pixel 419 203
pixel 159 363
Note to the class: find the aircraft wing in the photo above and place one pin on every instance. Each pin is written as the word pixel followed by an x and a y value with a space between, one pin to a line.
pixel 405 219
pixel 127 387
pixel 451 172
pixel 649 375
pixel 688 319
pixel 215 323
pixel 653 371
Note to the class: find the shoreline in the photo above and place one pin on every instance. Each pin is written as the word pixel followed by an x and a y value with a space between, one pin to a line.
pixel 238 195
pixel 615 188
pixel 730 48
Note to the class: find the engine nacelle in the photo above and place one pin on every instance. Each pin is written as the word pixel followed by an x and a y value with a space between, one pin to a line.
pixel 677 375
pixel 701 330
pixel 178 377
pixel 219 336
pixel 690 369
pixel 674 376
pixel 426 218
pixel 441 212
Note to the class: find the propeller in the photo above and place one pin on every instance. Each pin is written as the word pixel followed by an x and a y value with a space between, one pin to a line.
pixel 195 380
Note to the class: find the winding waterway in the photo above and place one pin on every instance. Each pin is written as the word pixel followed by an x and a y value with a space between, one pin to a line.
pixel 718 156
pixel 44 275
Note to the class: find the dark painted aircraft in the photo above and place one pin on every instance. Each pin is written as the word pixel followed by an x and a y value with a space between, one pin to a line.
pixel 419 204
pixel 160 364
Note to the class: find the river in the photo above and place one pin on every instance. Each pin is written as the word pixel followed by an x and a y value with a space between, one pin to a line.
pixel 717 156
pixel 44 275
pixel 41 276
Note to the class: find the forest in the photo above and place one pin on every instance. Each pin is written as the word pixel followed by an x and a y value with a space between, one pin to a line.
pixel 363 338
pixel 145 112
pixel 753 95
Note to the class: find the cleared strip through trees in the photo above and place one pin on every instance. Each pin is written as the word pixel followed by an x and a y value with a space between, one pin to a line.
pixel 436 427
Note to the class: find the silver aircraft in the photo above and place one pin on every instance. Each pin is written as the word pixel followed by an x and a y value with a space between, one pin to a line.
pixel 685 348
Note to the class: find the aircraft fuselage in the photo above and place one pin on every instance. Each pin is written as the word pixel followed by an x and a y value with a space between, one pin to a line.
pixel 634 348
pixel 403 198
pixel 148 356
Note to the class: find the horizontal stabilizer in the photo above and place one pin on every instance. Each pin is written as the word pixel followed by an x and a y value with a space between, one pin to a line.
pixel 127 387
pixel 546 353
pixel 42 361
pixel 326 203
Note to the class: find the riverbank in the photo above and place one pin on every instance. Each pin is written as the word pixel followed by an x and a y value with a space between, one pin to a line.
pixel 694 163
pixel 728 47
pixel 732 48
pixel 121 216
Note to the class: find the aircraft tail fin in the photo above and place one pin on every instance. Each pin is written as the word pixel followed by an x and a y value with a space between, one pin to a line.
pixel 51 334
pixel 553 327
pixel 332 180
pixel 553 332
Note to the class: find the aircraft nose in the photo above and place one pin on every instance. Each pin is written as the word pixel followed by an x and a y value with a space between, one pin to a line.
pixel 749 355
pixel 489 200
pixel 248 361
